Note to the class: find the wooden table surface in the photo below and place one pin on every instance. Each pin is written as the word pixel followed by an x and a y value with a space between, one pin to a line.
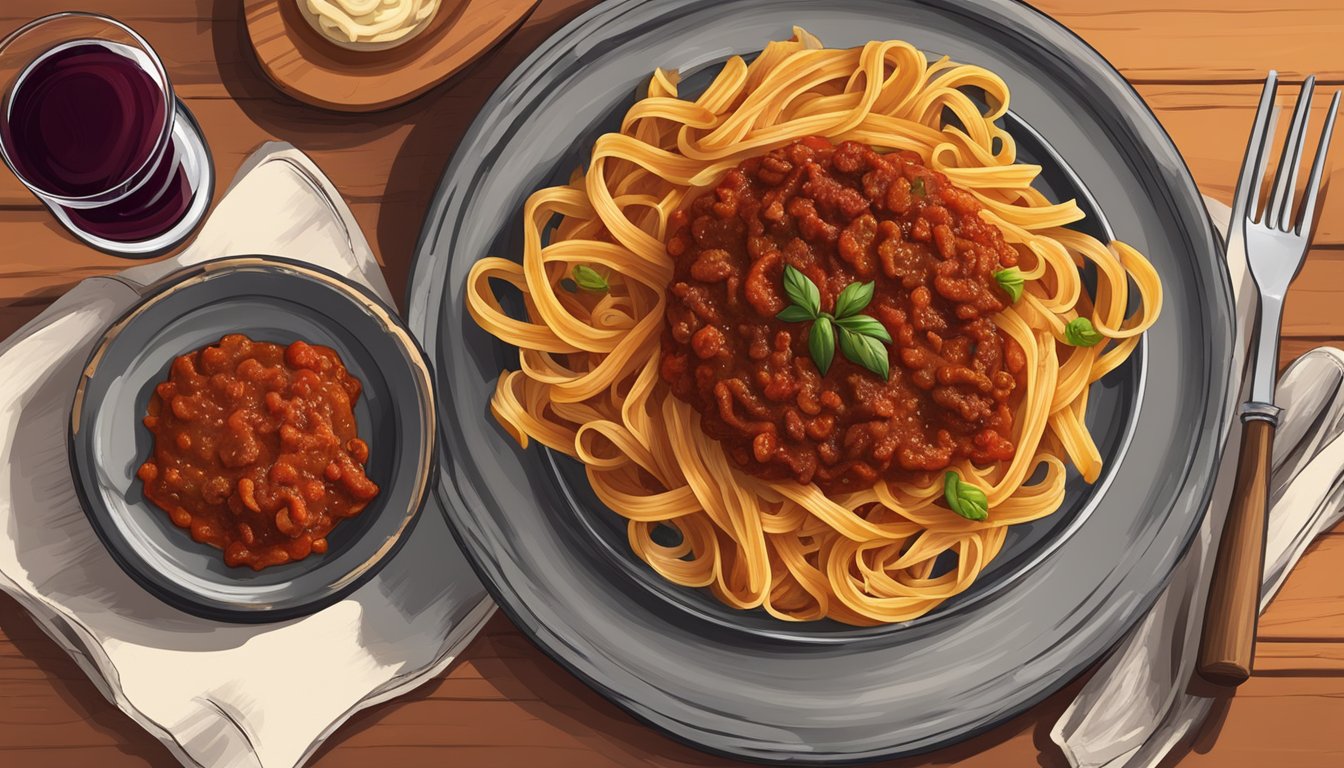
pixel 1198 63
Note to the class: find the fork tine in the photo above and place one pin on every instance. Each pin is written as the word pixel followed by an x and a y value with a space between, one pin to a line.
pixel 1317 171
pixel 1253 166
pixel 1279 208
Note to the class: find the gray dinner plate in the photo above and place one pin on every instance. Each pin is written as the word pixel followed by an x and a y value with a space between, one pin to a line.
pixel 1063 590
pixel 268 300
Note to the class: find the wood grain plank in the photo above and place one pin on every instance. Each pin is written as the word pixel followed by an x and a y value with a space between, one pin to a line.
pixel 52 716
pixel 1210 125
pixel 388 165
pixel 1311 308
pixel 41 261
pixel 1146 40
pixel 405 150
pixel 1299 659
pixel 1291 348
pixel 1310 607
pixel 1277 721
pixel 1162 40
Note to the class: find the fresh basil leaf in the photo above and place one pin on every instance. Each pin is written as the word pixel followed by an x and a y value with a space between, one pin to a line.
pixel 589 279
pixel 865 351
pixel 917 186
pixel 821 343
pixel 853 299
pixel 794 314
pixel 965 499
pixel 865 325
pixel 1011 281
pixel 975 498
pixel 801 290
pixel 1081 333
pixel 952 491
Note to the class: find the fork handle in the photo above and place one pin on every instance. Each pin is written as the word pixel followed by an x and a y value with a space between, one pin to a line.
pixel 1227 645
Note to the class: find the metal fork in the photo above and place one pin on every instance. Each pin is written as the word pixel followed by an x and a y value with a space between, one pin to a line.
pixel 1276 243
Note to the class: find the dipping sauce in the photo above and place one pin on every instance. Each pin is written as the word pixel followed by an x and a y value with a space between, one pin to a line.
pixel 842 214
pixel 369 24
pixel 256 450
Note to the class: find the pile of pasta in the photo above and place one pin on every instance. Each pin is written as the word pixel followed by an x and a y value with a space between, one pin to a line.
pixel 588 380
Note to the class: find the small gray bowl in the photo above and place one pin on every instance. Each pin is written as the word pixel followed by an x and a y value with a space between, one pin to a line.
pixel 271 300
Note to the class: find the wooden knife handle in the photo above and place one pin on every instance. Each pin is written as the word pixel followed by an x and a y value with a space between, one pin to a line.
pixel 1228 644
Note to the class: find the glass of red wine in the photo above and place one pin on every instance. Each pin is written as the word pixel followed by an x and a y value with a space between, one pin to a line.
pixel 89 123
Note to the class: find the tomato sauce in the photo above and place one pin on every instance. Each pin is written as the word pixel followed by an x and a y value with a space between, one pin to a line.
pixel 256 449
pixel 842 214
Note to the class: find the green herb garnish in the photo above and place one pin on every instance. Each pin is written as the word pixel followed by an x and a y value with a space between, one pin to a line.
pixel 1011 281
pixel 802 291
pixel 853 298
pixel 862 338
pixel 965 499
pixel 821 343
pixel 865 325
pixel 1081 333
pixel 867 351
pixel 917 186
pixel 589 279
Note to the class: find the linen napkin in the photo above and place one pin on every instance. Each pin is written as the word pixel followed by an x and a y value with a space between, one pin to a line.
pixel 216 694
pixel 1142 702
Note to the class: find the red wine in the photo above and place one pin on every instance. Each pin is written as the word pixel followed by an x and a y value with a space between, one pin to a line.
pixel 86 118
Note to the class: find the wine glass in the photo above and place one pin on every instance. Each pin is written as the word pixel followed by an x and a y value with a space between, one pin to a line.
pixel 89 123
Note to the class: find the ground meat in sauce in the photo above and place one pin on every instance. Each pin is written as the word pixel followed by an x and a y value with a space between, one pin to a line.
pixel 840 214
pixel 256 449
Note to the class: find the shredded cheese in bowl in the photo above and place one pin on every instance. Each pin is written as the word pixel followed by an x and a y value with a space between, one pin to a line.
pixel 368 24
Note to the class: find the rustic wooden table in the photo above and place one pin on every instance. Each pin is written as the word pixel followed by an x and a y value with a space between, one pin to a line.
pixel 1198 63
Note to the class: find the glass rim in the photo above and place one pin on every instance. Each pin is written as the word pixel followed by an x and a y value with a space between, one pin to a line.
pixel 165 133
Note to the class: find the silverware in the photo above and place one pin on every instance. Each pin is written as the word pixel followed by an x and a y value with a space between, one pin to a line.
pixel 1276 244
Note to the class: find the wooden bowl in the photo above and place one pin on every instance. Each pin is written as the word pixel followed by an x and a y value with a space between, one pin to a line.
pixel 312 69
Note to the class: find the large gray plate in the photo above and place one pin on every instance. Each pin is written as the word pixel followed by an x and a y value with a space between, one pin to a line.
pixel 740 683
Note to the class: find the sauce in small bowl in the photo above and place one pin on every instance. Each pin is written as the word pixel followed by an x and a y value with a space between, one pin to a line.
pixel 279 304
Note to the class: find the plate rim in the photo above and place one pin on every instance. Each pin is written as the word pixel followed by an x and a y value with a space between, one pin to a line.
pixel 1197 476
pixel 426 473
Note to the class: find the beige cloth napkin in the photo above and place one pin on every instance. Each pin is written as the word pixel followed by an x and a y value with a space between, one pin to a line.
pixel 216 694
pixel 1139 706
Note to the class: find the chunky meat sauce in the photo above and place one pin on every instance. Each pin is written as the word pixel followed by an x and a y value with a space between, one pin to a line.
pixel 840 214
pixel 256 450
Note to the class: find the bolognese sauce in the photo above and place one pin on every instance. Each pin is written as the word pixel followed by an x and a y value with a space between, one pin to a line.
pixel 256 449
pixel 842 214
